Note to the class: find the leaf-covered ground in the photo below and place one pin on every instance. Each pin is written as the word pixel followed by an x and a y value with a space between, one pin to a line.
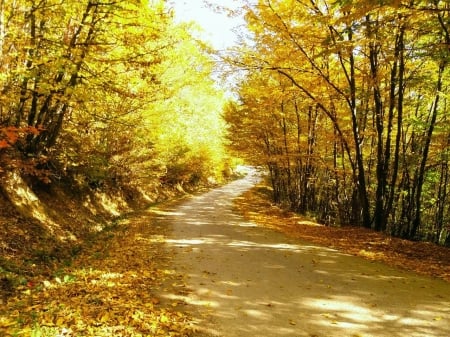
pixel 421 257
pixel 110 289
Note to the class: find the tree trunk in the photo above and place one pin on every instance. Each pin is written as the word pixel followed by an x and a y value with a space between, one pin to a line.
pixel 421 173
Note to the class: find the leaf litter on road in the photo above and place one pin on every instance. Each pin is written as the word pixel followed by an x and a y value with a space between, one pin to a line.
pixel 110 289
pixel 422 257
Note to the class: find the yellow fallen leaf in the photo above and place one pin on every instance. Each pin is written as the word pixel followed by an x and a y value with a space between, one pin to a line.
pixel 79 322
pixel 5 322
pixel 149 305
pixel 164 319
pixel 60 321
pixel 327 315
pixel 104 318
pixel 138 315
pixel 47 319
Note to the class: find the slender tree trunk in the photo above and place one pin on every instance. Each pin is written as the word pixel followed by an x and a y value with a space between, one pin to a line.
pixel 53 108
pixel 381 174
pixel 287 155
pixel 361 177
pixel 421 173
pixel 398 137
pixel 361 184
pixel 442 201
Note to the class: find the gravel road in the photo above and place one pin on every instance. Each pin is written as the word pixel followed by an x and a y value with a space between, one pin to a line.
pixel 244 280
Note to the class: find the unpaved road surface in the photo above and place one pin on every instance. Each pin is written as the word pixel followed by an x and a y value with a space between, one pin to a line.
pixel 245 280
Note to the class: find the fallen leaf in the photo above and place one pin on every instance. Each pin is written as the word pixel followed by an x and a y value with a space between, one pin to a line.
pixel 60 321
pixel 105 318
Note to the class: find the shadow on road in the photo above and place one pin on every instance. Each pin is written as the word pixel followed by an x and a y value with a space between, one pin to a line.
pixel 251 281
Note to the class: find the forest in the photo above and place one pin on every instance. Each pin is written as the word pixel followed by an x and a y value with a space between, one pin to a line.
pixel 345 103
pixel 110 110
pixel 106 93
pixel 106 107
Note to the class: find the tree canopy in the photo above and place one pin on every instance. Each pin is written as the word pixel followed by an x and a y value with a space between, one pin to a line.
pixel 104 91
pixel 346 104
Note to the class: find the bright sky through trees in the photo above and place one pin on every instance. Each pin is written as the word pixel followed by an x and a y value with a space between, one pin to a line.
pixel 218 28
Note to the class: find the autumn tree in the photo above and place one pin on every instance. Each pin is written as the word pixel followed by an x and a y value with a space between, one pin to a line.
pixel 83 85
pixel 375 73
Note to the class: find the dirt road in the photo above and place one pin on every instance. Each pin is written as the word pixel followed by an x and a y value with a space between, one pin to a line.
pixel 250 281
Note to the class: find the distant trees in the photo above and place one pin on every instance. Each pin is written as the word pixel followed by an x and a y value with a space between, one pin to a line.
pixel 347 102
pixel 94 90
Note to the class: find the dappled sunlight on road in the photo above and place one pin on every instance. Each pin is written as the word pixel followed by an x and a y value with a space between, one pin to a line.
pixel 234 243
pixel 249 244
pixel 163 212
pixel 249 281
pixel 187 242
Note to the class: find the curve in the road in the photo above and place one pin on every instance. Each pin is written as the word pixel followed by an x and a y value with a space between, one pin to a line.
pixel 253 281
